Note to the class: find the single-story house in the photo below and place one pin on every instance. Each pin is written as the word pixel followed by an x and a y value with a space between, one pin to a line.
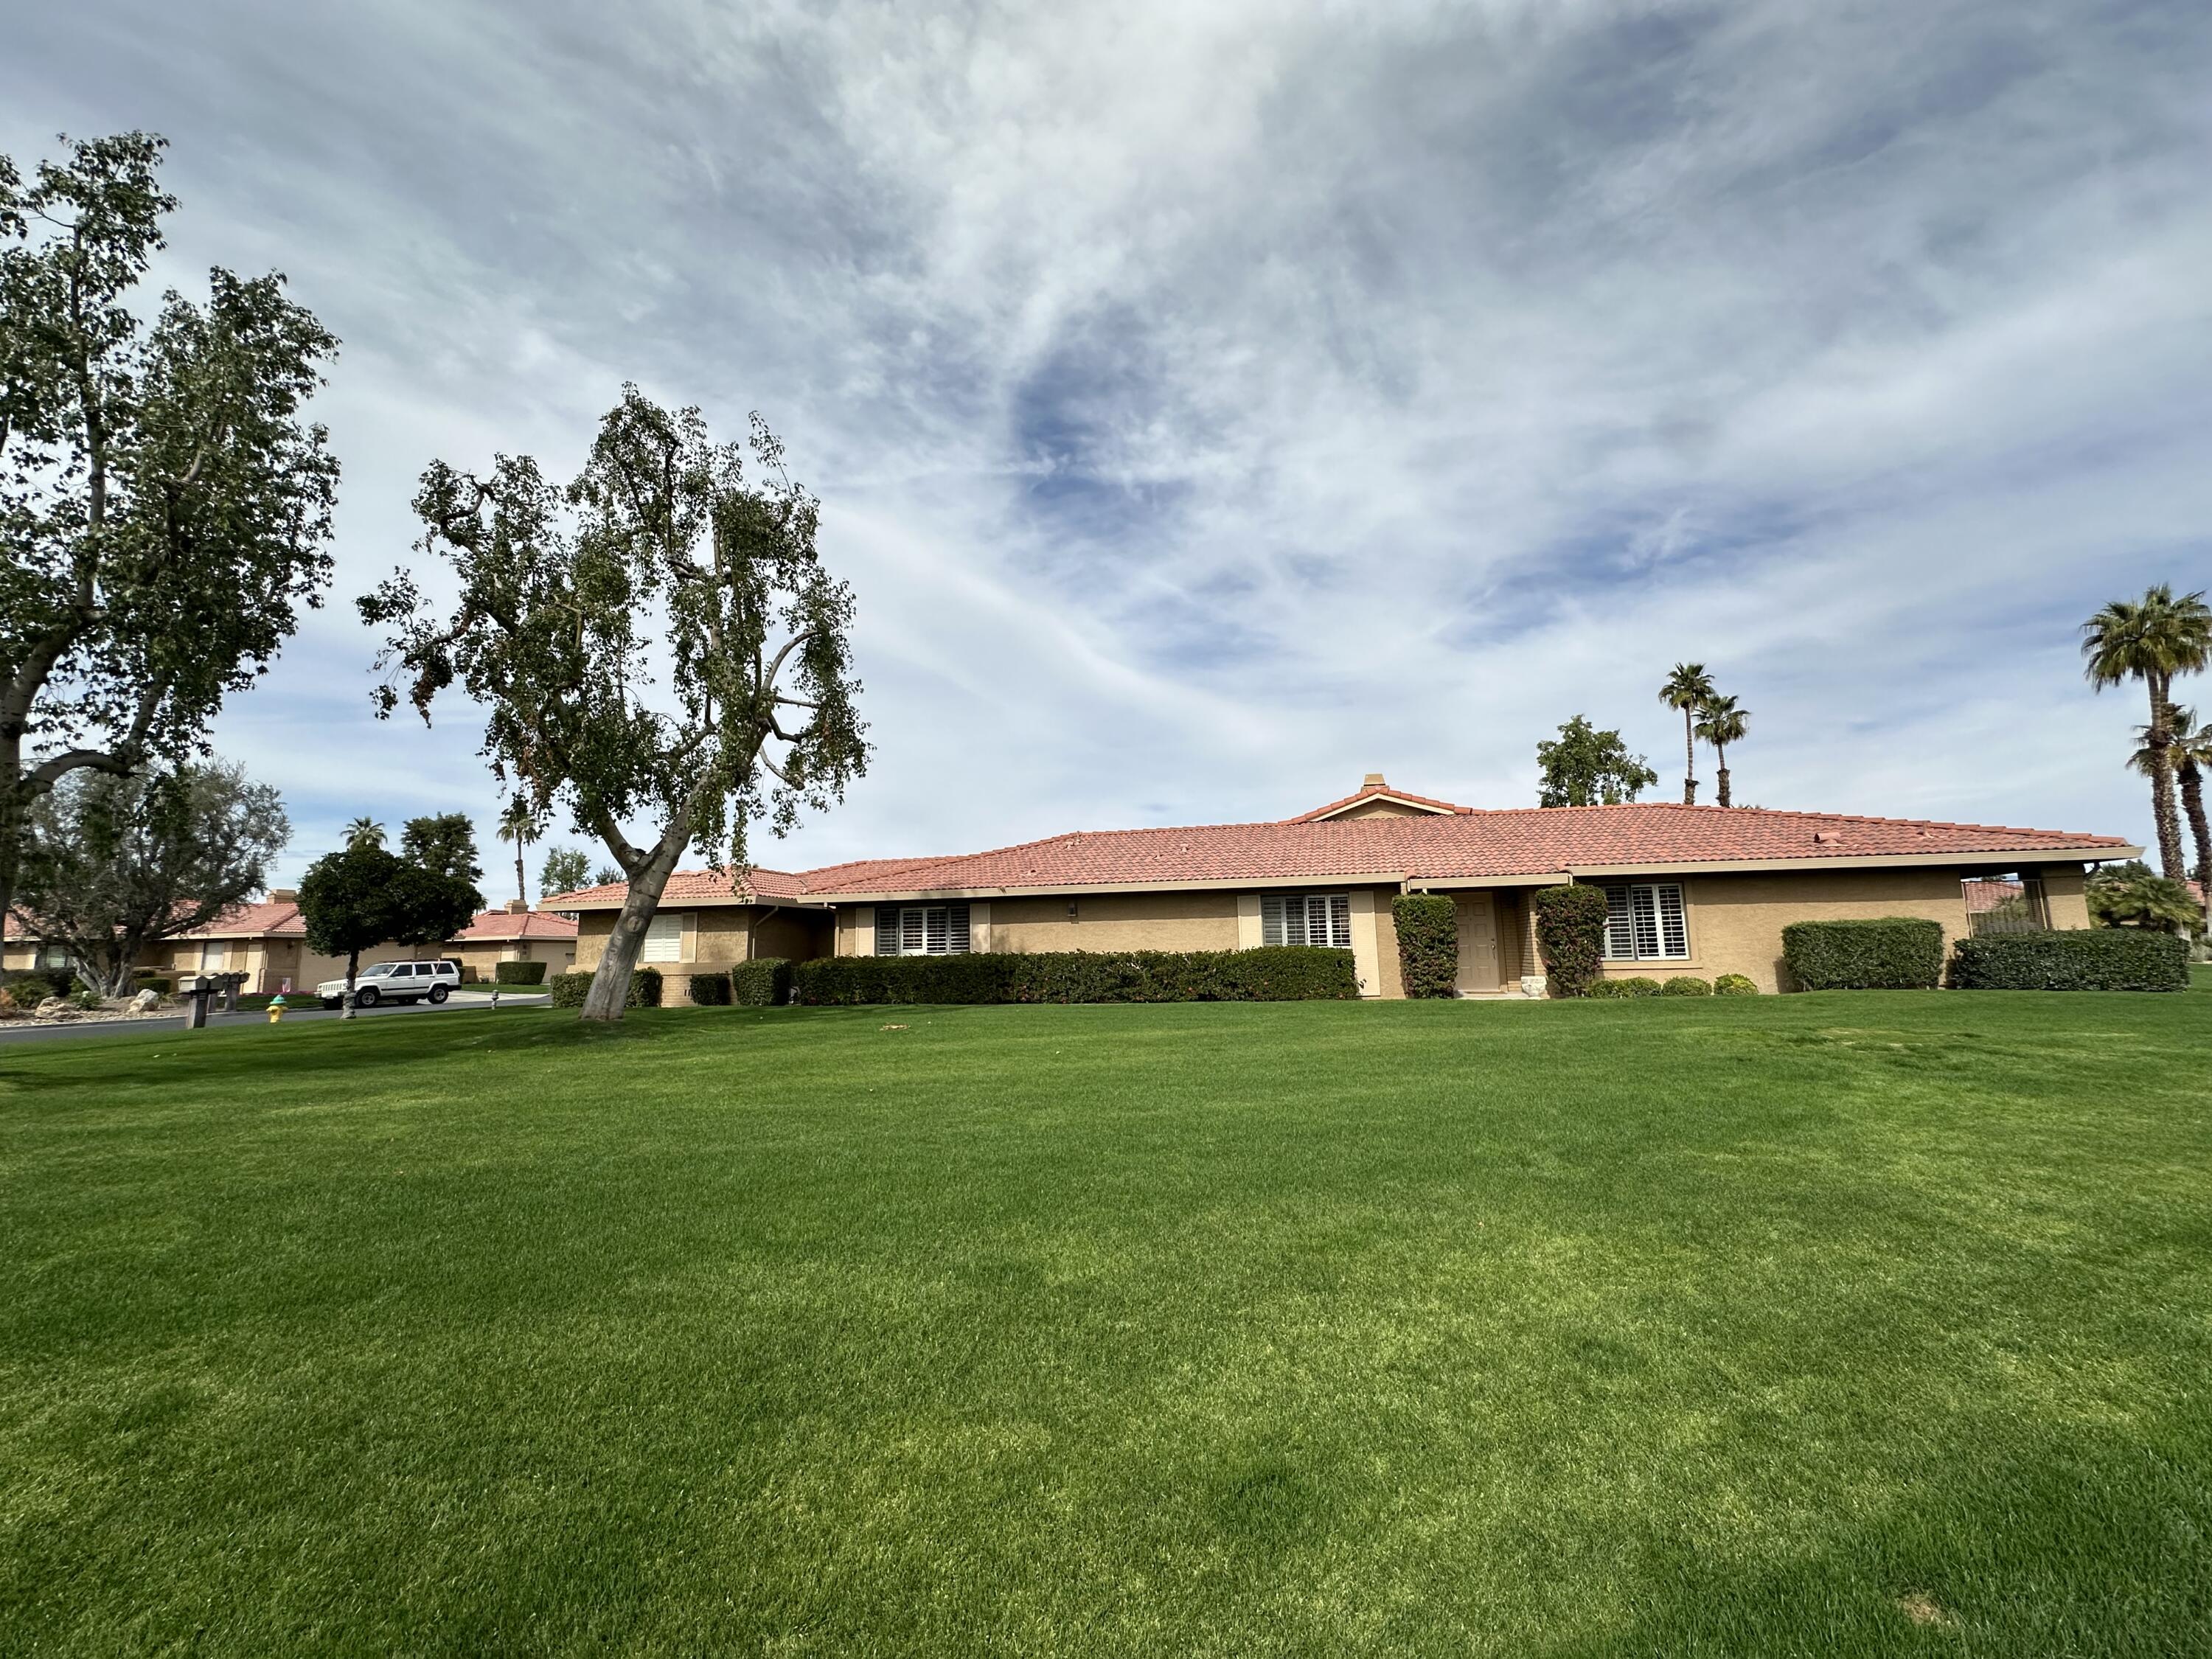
pixel 513 933
pixel 267 941
pixel 1693 889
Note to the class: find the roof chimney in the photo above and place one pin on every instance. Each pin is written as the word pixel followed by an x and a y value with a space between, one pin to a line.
pixel 1373 781
pixel 283 896
pixel 518 907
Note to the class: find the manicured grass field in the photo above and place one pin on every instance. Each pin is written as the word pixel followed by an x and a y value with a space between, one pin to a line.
pixel 1820 1325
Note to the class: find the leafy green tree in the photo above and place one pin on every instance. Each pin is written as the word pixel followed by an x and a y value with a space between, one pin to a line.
pixel 364 896
pixel 119 863
pixel 2189 752
pixel 164 509
pixel 565 870
pixel 2152 639
pixel 365 831
pixel 1720 722
pixel 1689 688
pixel 446 842
pixel 606 876
pixel 2133 895
pixel 1585 767
pixel 564 596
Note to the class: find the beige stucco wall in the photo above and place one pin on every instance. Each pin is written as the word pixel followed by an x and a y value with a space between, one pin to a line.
pixel 714 939
pixel 1735 923
pixel 1117 921
pixel 2065 893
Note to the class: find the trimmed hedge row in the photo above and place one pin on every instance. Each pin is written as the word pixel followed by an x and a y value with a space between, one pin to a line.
pixel 1428 943
pixel 1274 973
pixel 1570 937
pixel 709 990
pixel 764 982
pixel 518 973
pixel 570 989
pixel 2088 959
pixel 1897 953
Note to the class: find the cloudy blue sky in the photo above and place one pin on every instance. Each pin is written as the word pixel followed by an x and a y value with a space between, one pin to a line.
pixel 1210 402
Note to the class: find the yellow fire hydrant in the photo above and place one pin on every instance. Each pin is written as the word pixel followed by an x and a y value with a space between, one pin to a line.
pixel 276 1007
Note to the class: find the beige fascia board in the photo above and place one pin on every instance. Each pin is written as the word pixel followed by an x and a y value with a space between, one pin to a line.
pixel 2006 859
pixel 1456 883
pixel 1368 800
pixel 727 901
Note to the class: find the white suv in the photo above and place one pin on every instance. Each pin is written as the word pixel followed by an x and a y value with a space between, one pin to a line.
pixel 394 981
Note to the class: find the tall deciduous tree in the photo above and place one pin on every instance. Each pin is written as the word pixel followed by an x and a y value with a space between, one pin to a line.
pixel 443 841
pixel 1721 721
pixel 662 568
pixel 1585 767
pixel 565 870
pixel 363 896
pixel 2152 639
pixel 1688 689
pixel 164 509
pixel 119 863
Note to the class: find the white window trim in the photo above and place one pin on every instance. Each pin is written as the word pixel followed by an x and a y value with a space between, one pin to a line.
pixel 1278 910
pixel 1631 904
pixel 945 929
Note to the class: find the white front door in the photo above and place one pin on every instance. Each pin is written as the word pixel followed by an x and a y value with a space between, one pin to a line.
pixel 1478 943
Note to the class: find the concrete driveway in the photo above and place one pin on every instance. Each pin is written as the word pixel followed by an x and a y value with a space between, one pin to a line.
pixel 14 1032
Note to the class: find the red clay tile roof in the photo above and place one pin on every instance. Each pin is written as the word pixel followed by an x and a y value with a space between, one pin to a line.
pixel 765 886
pixel 266 920
pixel 1459 844
pixel 1375 792
pixel 515 924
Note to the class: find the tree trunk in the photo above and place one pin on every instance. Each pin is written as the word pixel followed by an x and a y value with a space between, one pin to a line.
pixel 2192 801
pixel 1689 761
pixel 353 966
pixel 611 984
pixel 1724 772
pixel 2168 816
pixel 521 890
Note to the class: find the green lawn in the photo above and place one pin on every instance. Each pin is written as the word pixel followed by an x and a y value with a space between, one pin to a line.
pixel 1864 1323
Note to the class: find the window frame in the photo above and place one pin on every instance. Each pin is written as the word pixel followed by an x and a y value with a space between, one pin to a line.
pixel 945 928
pixel 1636 918
pixel 1336 906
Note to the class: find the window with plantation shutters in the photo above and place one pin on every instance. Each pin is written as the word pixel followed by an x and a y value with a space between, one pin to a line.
pixel 1646 923
pixel 1306 919
pixel 663 939
pixel 921 930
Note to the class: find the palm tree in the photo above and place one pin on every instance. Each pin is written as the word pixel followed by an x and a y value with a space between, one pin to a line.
pixel 2152 639
pixel 1688 687
pixel 2190 748
pixel 1720 723
pixel 364 832
pixel 519 825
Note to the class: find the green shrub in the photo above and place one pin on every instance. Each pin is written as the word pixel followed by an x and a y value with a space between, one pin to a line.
pixel 2088 959
pixel 1428 943
pixel 160 983
pixel 1735 985
pixel 1275 972
pixel 570 989
pixel 518 973
pixel 87 999
pixel 709 990
pixel 1687 985
pixel 1570 937
pixel 1897 953
pixel 1637 985
pixel 32 986
pixel 764 982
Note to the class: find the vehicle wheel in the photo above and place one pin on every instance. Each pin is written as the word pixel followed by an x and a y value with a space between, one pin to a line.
pixel 366 996
pixel 437 993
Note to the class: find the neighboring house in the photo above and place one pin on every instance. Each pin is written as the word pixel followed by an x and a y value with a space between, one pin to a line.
pixel 1693 889
pixel 516 934
pixel 267 941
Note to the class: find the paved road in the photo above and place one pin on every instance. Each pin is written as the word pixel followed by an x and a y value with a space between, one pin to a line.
pixel 14 1032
